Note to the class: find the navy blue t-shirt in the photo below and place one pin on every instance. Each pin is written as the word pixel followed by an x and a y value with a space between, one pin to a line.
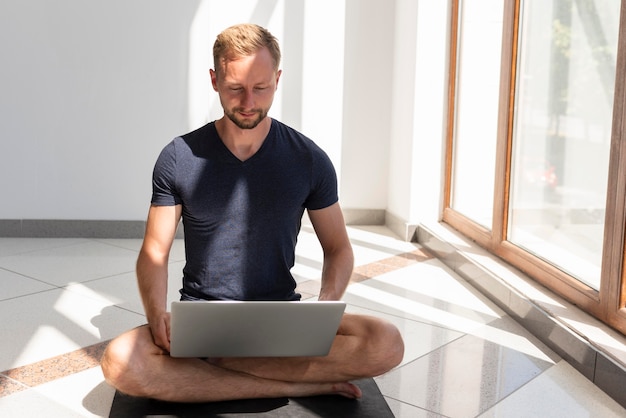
pixel 241 218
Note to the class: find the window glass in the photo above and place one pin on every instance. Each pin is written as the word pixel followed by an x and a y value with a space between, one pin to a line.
pixel 562 132
pixel 476 111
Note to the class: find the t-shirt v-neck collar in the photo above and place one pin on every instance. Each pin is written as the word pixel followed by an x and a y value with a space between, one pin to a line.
pixel 232 158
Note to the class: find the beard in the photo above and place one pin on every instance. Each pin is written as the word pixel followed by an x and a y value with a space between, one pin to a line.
pixel 246 123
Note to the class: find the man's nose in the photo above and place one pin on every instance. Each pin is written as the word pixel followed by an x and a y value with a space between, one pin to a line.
pixel 247 101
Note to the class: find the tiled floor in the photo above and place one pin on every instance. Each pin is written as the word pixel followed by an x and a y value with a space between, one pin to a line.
pixel 61 300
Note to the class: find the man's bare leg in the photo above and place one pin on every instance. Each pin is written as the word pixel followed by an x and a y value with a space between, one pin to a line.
pixel 134 365
pixel 364 347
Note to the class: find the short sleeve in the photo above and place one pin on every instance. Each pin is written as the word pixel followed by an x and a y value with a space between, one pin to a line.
pixel 164 191
pixel 324 182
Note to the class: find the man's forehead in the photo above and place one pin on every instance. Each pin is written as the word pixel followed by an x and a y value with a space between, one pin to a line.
pixel 235 74
pixel 260 57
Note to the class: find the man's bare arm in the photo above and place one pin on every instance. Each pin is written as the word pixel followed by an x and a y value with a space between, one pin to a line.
pixel 152 269
pixel 331 231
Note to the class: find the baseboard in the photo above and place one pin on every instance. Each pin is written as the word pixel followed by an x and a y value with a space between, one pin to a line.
pixel 364 216
pixel 396 224
pixel 62 228
pixel 76 228
pixel 400 227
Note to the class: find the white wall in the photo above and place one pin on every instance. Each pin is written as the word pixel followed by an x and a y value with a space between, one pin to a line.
pixel 430 112
pixel 403 128
pixel 367 103
pixel 91 92
pixel 322 76
pixel 417 138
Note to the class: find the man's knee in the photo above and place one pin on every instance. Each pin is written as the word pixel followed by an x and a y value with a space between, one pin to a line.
pixel 396 345
pixel 385 346
pixel 380 347
pixel 122 361
pixel 115 361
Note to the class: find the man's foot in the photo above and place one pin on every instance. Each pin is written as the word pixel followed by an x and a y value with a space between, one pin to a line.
pixel 348 390
pixel 300 389
pixel 345 389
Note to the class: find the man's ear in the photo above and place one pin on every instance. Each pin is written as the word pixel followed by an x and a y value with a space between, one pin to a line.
pixel 278 73
pixel 213 79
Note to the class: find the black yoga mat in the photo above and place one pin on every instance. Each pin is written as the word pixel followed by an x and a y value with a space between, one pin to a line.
pixel 372 404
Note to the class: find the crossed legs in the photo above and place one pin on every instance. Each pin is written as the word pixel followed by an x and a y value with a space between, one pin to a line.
pixel 364 347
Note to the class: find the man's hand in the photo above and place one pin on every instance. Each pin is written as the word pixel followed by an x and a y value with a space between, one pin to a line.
pixel 160 328
pixel 152 265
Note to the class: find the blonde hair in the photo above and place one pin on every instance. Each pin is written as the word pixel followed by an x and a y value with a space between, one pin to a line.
pixel 243 40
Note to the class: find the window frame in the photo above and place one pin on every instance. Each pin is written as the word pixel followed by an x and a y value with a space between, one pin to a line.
pixel 607 303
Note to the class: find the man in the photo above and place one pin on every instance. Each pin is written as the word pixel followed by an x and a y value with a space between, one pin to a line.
pixel 241 185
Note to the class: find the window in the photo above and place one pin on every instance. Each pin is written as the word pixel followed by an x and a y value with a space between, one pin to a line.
pixel 535 151
pixel 477 93
pixel 562 132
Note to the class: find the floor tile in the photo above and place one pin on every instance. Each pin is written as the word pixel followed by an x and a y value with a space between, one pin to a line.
pixel 379 238
pixel 13 246
pixel 463 355
pixel 419 338
pixel 54 322
pixel 177 252
pixel 558 392
pixel 79 262
pixel 401 409
pixel 14 285
pixel 306 269
pixel 569 345
pixel 31 403
pixel 506 332
pixel 54 368
pixel 83 394
pixel 427 293
pixel 462 379
pixel 121 290
pixel 9 386
pixel 128 243
pixel 370 247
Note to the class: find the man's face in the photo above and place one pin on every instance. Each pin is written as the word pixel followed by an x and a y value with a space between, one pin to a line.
pixel 246 87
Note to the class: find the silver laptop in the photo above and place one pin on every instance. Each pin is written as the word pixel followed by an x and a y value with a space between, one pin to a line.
pixel 253 329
